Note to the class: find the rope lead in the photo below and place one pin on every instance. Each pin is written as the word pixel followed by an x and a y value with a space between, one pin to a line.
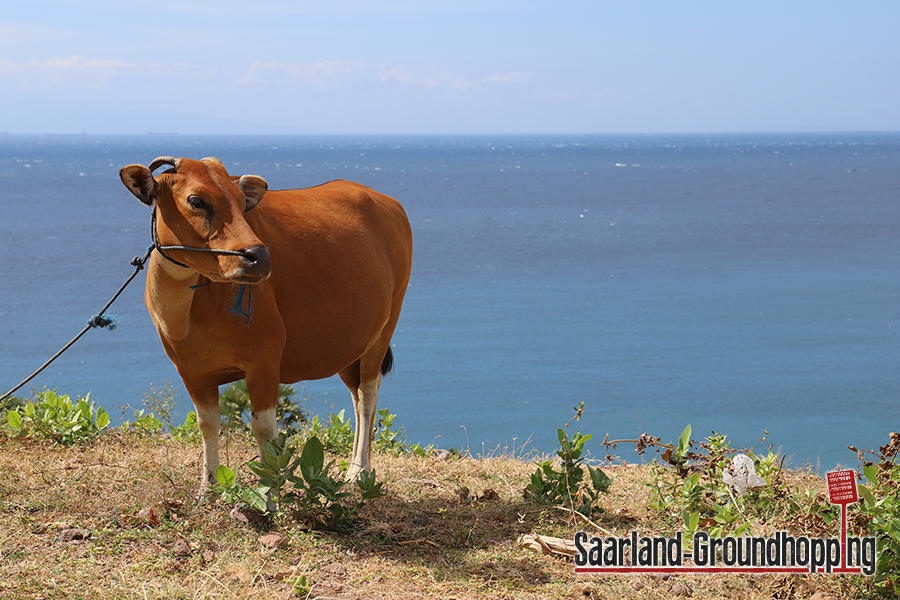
pixel 138 263
pixel 97 320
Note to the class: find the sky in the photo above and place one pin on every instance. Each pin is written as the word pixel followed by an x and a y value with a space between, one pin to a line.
pixel 449 66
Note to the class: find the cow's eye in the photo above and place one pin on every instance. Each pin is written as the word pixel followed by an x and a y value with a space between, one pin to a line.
pixel 196 202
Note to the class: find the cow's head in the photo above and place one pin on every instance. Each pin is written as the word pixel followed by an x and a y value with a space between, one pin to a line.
pixel 199 205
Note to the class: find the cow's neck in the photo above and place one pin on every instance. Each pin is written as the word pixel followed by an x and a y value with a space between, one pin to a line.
pixel 170 294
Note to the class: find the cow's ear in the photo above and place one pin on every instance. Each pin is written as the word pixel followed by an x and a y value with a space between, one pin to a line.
pixel 140 181
pixel 254 189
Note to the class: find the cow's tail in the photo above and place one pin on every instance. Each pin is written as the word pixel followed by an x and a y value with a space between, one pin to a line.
pixel 388 363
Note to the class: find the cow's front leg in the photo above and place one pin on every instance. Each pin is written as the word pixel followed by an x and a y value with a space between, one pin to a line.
pixel 263 388
pixel 206 403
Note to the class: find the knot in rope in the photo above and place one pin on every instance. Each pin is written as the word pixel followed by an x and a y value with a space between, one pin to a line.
pixel 140 261
pixel 101 321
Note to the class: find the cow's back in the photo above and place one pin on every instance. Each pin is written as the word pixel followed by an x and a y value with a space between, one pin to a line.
pixel 341 256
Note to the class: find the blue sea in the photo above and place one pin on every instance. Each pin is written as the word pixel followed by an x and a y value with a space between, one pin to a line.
pixel 737 283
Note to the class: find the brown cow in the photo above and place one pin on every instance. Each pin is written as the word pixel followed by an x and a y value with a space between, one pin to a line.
pixel 339 257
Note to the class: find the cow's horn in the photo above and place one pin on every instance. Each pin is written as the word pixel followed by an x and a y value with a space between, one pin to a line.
pixel 163 160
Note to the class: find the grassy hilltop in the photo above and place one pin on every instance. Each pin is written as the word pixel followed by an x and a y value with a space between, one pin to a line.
pixel 114 513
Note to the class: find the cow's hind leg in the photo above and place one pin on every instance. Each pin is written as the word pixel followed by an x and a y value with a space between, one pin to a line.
pixel 364 380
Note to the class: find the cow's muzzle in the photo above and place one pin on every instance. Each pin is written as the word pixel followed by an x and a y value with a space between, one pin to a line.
pixel 256 266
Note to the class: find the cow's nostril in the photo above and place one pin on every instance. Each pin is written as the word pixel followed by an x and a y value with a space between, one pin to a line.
pixel 255 265
pixel 257 256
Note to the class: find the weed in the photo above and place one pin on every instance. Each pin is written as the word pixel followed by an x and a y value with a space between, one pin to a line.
pixel 314 498
pixel 157 417
pixel 336 437
pixel 145 424
pixel 688 486
pixel 302 587
pixel 162 403
pixel 57 418
pixel 565 486
pixel 189 430
pixel 386 438
pixel 11 403
pixel 393 441
pixel 231 491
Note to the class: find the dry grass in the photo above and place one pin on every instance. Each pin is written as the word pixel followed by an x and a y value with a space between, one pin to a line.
pixel 445 529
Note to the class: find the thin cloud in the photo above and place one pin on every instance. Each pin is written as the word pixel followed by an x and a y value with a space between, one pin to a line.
pixel 320 72
pixel 75 63
pixel 74 72
pixel 82 71
pixel 431 78
pixel 292 96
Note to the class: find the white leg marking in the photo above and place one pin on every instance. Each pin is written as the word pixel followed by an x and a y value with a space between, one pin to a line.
pixel 208 421
pixel 355 396
pixel 364 404
pixel 264 428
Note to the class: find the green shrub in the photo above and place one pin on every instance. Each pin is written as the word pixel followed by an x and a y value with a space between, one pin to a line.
pixel 313 497
pixel 11 403
pixel 337 436
pixel 145 424
pixel 566 486
pixel 189 430
pixel 688 487
pixel 57 418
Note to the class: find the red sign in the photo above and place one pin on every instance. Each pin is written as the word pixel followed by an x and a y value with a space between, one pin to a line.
pixel 842 487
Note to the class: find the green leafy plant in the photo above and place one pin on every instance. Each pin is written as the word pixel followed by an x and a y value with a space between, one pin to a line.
pixel 688 487
pixel 319 497
pixel 566 486
pixel 276 470
pixel 337 435
pixel 144 424
pixel 313 497
pixel 386 438
pixel 231 491
pixel 423 451
pixel 321 501
pixel 393 441
pixel 189 430
pixel 302 587
pixel 56 417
